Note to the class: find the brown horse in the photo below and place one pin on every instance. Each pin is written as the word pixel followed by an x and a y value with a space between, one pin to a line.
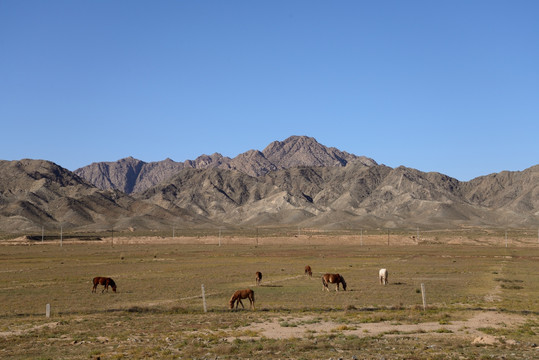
pixel 258 278
pixel 333 279
pixel 242 294
pixel 308 271
pixel 106 282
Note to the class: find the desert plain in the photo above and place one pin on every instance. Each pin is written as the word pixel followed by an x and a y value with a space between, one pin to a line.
pixel 481 296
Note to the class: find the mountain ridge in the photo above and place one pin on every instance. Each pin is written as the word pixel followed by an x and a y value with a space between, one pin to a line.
pixel 380 195
pixel 336 190
pixel 134 176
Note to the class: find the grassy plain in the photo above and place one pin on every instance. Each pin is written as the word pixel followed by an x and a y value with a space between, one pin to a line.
pixel 482 301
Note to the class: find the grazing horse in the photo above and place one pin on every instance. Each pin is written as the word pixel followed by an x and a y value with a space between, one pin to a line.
pixel 258 278
pixel 106 282
pixel 242 294
pixel 308 271
pixel 383 274
pixel 333 279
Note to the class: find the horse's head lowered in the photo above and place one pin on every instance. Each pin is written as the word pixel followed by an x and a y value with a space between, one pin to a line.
pixel 112 284
pixel 343 283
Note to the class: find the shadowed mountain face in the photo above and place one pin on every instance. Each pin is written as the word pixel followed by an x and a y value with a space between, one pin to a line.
pixel 134 176
pixel 272 187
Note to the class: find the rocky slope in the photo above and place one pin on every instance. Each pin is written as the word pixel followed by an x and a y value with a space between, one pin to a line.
pixel 356 195
pixel 272 187
pixel 36 193
pixel 130 175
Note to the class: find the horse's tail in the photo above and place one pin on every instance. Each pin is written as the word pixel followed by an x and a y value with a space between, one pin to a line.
pixel 324 282
pixel 251 296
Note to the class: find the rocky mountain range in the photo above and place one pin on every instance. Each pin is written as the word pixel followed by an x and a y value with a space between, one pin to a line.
pixel 295 182
pixel 134 176
pixel 38 193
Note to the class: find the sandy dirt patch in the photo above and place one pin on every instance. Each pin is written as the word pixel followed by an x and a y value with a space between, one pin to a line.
pixel 308 325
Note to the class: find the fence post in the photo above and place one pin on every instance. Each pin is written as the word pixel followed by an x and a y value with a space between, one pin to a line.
pixel 48 310
pixel 204 299
pixel 423 296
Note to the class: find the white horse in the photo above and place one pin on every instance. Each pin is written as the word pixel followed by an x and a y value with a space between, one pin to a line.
pixel 383 274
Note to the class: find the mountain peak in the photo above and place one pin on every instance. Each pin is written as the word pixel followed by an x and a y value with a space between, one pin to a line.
pixel 305 151
pixel 132 175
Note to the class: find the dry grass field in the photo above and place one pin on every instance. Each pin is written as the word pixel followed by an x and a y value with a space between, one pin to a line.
pixel 482 299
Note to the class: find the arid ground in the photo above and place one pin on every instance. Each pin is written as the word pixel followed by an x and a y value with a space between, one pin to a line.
pixel 481 297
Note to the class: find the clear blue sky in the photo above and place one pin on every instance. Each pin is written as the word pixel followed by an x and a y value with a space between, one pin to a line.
pixel 447 86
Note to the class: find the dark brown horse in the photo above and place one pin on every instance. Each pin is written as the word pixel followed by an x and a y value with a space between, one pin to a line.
pixel 333 279
pixel 258 277
pixel 106 282
pixel 308 271
pixel 242 294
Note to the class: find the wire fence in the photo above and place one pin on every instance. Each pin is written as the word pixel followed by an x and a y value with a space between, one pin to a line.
pixel 263 235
